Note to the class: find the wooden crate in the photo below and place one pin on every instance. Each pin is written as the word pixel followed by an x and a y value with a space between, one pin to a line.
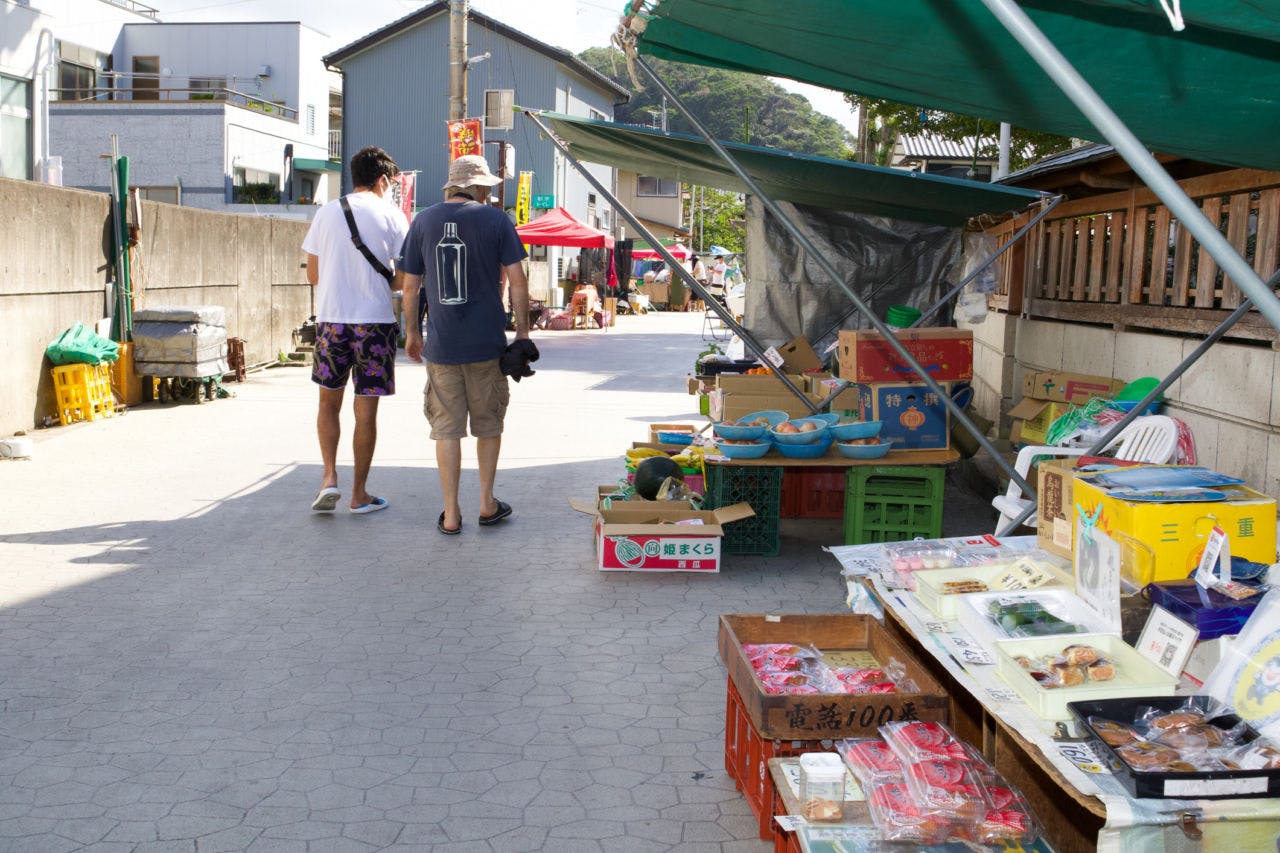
pixel 819 716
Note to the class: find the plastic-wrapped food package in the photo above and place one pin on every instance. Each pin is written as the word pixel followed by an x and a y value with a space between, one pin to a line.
pixel 918 741
pixel 897 817
pixel 870 760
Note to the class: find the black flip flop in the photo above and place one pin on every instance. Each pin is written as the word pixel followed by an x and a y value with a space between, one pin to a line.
pixel 447 531
pixel 499 514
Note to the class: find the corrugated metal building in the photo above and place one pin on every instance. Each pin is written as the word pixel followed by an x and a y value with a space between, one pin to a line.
pixel 395 95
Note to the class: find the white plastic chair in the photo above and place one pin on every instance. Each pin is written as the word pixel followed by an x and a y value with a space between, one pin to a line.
pixel 1152 439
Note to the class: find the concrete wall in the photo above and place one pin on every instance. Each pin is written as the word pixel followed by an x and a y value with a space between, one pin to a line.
pixel 1230 398
pixel 52 274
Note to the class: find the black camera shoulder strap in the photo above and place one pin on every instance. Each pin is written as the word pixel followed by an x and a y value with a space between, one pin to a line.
pixel 359 244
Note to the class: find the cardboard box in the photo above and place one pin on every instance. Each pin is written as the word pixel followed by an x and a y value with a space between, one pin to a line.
pixel 654 429
pixel 866 357
pixel 1032 419
pixel 817 385
pixel 1060 387
pixel 1175 533
pixel 798 355
pixel 818 716
pixel 731 407
pixel 1055 509
pixel 757 384
pixel 913 417
pixel 652 536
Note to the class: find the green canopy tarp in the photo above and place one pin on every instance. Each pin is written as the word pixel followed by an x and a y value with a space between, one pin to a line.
pixel 1210 92
pixel 800 178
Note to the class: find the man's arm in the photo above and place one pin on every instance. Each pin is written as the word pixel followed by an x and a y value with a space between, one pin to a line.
pixel 519 291
pixel 409 286
pixel 313 269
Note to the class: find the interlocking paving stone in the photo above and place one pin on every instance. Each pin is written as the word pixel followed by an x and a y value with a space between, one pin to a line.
pixel 191 660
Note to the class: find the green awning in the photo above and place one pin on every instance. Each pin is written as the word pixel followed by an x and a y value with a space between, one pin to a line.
pixel 1210 92
pixel 799 178
pixel 307 164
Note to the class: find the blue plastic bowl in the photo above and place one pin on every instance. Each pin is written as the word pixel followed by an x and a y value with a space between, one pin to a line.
pixel 805 451
pixel 745 451
pixel 794 438
pixel 848 432
pixel 740 432
pixel 679 438
pixel 863 451
pixel 828 418
pixel 773 416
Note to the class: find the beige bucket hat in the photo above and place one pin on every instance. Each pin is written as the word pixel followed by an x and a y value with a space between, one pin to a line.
pixel 470 170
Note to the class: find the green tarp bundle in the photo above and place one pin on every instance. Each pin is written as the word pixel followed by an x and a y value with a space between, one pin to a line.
pixel 81 345
pixel 1210 92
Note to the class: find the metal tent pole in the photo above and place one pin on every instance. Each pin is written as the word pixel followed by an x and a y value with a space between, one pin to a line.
pixel 1135 154
pixel 830 270
pixel 1192 357
pixel 675 267
pixel 1010 243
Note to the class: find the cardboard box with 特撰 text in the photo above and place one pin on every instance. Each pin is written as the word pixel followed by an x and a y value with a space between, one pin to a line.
pixel 912 416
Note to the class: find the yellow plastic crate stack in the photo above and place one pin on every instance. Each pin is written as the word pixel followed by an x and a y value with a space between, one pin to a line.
pixel 83 391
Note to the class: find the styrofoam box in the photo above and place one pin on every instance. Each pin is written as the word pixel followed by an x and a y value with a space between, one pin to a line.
pixel 1067 606
pixel 930 583
pixel 1135 675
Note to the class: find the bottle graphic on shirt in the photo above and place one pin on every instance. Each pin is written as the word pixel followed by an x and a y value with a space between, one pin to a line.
pixel 451 267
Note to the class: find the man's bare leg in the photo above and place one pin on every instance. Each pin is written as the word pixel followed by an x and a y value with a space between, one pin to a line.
pixel 449 466
pixel 329 430
pixel 362 444
pixel 487 456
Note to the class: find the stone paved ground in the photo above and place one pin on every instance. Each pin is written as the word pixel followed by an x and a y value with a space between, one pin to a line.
pixel 190 660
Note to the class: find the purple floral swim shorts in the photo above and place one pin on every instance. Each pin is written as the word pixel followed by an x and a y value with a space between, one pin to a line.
pixel 365 350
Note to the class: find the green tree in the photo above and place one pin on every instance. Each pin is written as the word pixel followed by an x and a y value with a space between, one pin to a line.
pixel 882 122
pixel 716 218
pixel 733 105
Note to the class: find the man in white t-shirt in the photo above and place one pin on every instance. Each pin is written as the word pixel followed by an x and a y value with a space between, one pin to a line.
pixel 718 270
pixel 356 328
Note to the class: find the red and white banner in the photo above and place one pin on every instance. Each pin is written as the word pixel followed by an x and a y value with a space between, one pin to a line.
pixel 466 136
pixel 403 189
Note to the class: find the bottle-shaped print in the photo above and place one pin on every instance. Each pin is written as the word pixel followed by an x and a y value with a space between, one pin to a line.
pixel 451 267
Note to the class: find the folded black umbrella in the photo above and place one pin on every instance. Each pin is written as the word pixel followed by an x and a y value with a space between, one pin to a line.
pixel 515 360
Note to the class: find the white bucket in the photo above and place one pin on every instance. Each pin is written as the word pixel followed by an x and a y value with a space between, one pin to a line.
pixel 16 448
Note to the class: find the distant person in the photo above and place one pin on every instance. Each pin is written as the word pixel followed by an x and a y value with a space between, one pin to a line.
pixel 718 270
pixel 356 327
pixel 461 247
pixel 699 272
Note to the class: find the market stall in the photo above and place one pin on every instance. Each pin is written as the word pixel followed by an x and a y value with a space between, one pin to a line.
pixel 558 227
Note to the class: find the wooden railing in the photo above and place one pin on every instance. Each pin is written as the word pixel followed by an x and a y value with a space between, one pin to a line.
pixel 1122 260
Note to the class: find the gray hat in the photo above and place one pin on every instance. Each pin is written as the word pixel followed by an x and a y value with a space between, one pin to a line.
pixel 470 170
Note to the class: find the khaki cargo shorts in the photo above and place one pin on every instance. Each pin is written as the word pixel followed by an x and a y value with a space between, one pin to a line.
pixel 455 392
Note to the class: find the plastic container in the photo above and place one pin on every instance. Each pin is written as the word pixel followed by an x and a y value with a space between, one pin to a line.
pixel 901 316
pixel 1134 392
pixel 676 438
pixel 794 438
pixel 828 418
pixel 744 451
pixel 941 590
pixel 864 451
pixel 758 485
pixel 773 416
pixel 1213 613
pixel 870 760
pixel 821 786
pixel 860 429
pixel 977 613
pixel 805 451
pixel 747 433
pixel 1134 674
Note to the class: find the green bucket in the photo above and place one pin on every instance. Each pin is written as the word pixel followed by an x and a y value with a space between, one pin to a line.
pixel 901 316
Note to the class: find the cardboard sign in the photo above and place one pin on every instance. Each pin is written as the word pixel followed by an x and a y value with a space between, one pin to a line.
pixel 1167 641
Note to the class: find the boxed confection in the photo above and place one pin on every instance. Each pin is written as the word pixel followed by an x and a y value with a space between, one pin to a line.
pixel 813 715
pixel 945 354
pixel 1055 508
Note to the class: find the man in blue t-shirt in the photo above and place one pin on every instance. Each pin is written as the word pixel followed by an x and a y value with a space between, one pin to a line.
pixel 462 247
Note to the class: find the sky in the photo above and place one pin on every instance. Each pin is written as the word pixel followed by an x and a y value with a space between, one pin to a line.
pixel 572 24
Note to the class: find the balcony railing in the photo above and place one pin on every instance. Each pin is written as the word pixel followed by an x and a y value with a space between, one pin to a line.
pixel 147 94
pixel 335 145
pixel 1124 261
pixel 136 8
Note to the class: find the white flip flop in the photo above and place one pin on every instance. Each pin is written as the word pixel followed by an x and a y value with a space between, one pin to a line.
pixel 327 500
pixel 373 505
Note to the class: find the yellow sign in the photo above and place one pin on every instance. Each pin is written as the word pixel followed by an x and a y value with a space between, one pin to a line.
pixel 524 191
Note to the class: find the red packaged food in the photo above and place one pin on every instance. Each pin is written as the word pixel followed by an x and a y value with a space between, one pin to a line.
pixel 898 818
pixel 918 741
pixel 950 787
pixel 870 760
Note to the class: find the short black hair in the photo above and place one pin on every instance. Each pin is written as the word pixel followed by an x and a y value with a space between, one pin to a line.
pixel 371 163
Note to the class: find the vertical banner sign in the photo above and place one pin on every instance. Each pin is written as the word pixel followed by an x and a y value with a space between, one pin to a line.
pixel 524 193
pixel 466 136
pixel 403 192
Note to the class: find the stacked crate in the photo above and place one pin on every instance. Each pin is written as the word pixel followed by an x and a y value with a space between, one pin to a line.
pixel 893 503
pixel 83 392
pixel 760 486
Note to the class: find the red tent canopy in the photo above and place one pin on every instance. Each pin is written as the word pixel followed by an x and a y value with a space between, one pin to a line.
pixel 558 228
pixel 677 250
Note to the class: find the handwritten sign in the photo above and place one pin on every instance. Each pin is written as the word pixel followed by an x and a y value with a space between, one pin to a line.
pixel 1167 641
pixel 1084 755
pixel 827 717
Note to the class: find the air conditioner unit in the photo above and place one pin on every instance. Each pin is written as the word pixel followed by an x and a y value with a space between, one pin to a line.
pixel 499 113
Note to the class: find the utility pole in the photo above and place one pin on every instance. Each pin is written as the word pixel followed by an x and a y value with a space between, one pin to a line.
pixel 457 59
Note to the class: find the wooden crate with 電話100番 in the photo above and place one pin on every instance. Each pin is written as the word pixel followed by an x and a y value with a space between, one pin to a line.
pixel 821 716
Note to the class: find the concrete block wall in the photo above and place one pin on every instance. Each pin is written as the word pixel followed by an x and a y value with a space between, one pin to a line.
pixel 53 273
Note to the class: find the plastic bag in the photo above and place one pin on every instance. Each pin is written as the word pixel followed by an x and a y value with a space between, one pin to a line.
pixel 81 345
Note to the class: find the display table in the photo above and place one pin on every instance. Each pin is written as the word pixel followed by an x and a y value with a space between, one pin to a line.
pixel 1070 787
pixel 895 497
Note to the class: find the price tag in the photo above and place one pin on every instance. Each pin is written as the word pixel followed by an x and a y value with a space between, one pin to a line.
pixel 1167 641
pixel 968 651
pixel 774 357
pixel 1084 756
pixel 1001 694
pixel 789 822
pixel 936 627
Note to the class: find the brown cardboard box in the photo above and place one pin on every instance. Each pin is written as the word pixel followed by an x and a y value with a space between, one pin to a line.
pixel 1033 418
pixel 660 536
pixel 755 385
pixel 1055 511
pixel 819 716
pixel 654 429
pixel 1060 387
pixel 846 399
pixel 730 407
pixel 866 357
pixel 798 356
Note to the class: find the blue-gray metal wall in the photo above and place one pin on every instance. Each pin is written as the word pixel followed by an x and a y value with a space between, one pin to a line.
pixel 395 95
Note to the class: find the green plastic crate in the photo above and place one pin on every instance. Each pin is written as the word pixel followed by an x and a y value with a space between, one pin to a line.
pixel 760 486
pixel 893 503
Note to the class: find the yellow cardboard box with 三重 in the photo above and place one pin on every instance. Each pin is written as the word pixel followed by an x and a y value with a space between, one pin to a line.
pixel 1176 533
